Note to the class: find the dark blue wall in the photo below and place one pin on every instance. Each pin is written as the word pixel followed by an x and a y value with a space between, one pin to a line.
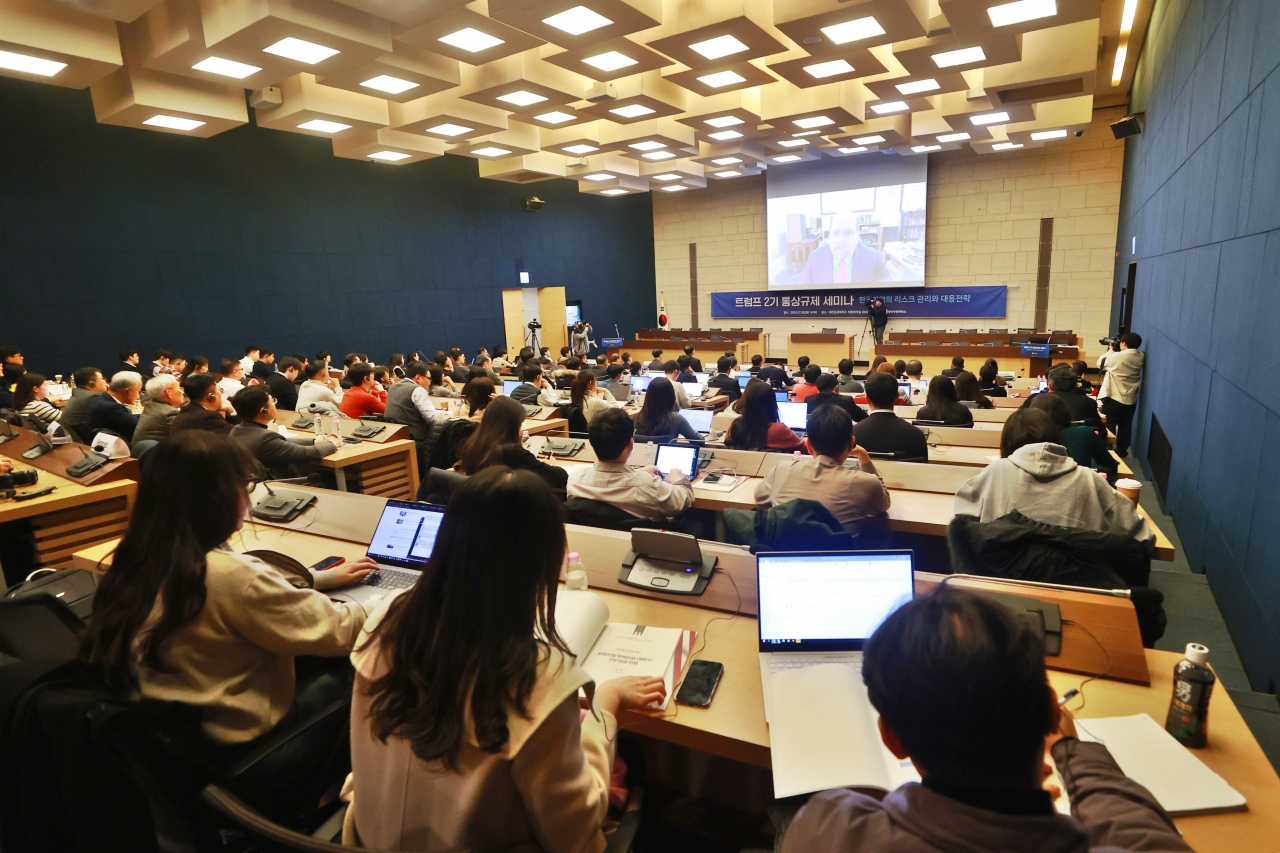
pixel 1202 195
pixel 114 237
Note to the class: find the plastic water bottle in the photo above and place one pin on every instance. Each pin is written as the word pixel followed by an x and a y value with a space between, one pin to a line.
pixel 319 426
pixel 1188 719
pixel 575 577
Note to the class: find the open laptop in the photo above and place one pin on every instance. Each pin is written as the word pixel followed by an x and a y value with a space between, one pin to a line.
pixel 401 545
pixel 699 419
pixel 794 415
pixel 744 379
pixel 821 606
pixel 509 385
pixel 683 457
pixel 640 384
pixel 782 396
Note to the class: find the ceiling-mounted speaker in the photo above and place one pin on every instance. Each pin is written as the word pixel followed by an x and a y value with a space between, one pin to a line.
pixel 265 99
pixel 601 92
pixel 1127 126
pixel 533 203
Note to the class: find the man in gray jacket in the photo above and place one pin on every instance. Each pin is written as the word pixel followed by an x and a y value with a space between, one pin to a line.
pixel 961 689
pixel 277 456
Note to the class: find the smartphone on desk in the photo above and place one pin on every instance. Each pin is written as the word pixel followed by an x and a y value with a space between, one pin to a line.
pixel 700 683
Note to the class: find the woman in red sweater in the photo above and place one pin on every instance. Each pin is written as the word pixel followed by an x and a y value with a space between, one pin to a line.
pixel 759 427
pixel 363 397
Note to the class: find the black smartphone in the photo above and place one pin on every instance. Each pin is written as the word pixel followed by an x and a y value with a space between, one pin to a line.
pixel 326 563
pixel 700 683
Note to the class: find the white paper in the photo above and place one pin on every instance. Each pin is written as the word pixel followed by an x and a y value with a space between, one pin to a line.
pixel 580 617
pixel 624 650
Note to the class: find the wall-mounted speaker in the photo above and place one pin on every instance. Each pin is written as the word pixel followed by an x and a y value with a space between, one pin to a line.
pixel 1127 126
pixel 533 203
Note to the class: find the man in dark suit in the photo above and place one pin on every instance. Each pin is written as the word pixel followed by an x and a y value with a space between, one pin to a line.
pixel 110 411
pixel 956 368
pixel 129 361
pixel 694 363
pixel 205 406
pixel 280 382
pixel 884 432
pixel 774 375
pixel 657 363
pixel 601 368
pixel 277 456
pixel 686 369
pixel 1062 384
pixel 828 395
pixel 534 391
pixel 89 384
pixel 722 382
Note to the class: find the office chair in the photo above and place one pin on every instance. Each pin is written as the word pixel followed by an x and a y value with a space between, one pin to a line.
pixel 39 627
pixel 140 449
pixel 915 331
pixel 997 331
pixel 593 513
pixel 829 331
pixel 967 331
pixel 753 329
pixel 438 485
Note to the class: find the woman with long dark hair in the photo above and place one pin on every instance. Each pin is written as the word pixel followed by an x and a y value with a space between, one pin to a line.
pixel 967 389
pixel 466 731
pixel 875 363
pixel 180 617
pixel 659 417
pixel 197 364
pixel 942 405
pixel 30 394
pixel 478 392
pixel 497 442
pixel 584 394
pixel 759 427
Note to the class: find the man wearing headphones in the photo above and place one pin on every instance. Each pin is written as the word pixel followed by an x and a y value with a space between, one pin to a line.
pixel 1062 384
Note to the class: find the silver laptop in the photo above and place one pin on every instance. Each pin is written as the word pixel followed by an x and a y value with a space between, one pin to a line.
pixel 795 415
pixel 401 546
pixel 820 606
pixel 699 419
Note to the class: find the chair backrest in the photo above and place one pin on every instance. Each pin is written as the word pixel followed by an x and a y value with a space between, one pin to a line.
pixel 593 513
pixel 437 487
pixel 916 331
pixel 573 414
pixel 39 627
pixel 140 449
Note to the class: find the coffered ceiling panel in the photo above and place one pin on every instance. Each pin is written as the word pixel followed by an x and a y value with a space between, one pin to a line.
pixel 1060 62
pixel 929 56
pixel 317 110
pixel 134 96
pixel 732 40
pixel 405 74
pixel 389 147
pixel 580 23
pixel 524 169
pixel 48 43
pixel 826 27
pixel 608 60
pixel 721 78
pixel 468 36
pixel 116 10
pixel 807 71
pixel 447 117
pixel 976 20
pixel 520 83
pixel 406 13
pixel 937 84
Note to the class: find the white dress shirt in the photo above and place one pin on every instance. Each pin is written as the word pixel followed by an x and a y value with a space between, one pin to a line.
pixel 423 403
pixel 229 387
pixel 637 492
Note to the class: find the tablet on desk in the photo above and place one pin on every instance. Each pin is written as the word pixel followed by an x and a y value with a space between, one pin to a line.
pixel 675 456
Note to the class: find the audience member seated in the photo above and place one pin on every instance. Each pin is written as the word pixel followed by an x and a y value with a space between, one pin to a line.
pixel 989 381
pixel 850 495
pixel 802 363
pixel 961 690
pixel 846 383
pixel 722 382
pixel 251 356
pixel 206 408
pixel 695 364
pixel 315 394
pixel 88 384
pixel 644 492
pixel 442 384
pixel 810 384
pixel 686 370
pixel 362 398
pixel 875 365
pixel 1082 443
pixel 280 382
pixel 232 377
pixel 1063 384
pixel 1035 476
pixel 827 393
pixel 943 406
pixel 658 363
pixel 957 366
pixel 409 402
pixel 30 398
pixel 659 418
pixel 630 366
pixel 485 363
pixel 164 401
pixel 177 366
pixel 479 743
pixel 885 432
pixel 111 412
pixel 11 355
pixel 672 371
pixel 584 394
pixel 617 384
pixel 500 360
pixel 967 390
pixel 900 369
pixel 181 618
pixel 161 362
pixel 566 369
pixel 601 368
pixel 478 392
pixel 129 361
pixel 277 456
pixel 915 376
pixel 759 427
pixel 534 389
pixel 497 442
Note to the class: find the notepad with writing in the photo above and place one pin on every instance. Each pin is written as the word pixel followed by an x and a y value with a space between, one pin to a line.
pixel 823 734
pixel 1150 756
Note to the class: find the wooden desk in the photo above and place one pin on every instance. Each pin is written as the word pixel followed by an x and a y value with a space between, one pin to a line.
pixel 346 426
pixel 56 461
pixel 822 349
pixel 73 517
pixel 742 344
pixel 389 469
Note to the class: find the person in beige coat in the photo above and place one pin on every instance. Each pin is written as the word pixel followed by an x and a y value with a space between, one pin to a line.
pixel 511 763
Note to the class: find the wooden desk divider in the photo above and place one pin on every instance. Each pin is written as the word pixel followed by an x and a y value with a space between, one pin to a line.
pixel 964 436
pixel 989 416
pixel 345 426
pixel 56 461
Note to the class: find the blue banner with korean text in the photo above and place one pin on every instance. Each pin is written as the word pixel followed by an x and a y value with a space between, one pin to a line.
pixel 902 303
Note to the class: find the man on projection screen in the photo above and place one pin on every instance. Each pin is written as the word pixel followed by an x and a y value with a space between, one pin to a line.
pixel 843 258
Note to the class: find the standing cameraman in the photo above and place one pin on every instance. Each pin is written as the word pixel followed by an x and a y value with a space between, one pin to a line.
pixel 1118 394
pixel 879 318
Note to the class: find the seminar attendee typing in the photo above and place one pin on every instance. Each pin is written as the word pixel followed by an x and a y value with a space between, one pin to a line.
pixel 111 411
pixel 466 730
pixel 672 371
pixel 164 401
pixel 759 427
pixel 645 492
pixel 497 442
pixel 276 455
pixel 658 418
pixel 617 384
pixel 1035 476
pixel 961 690
pixel 885 432
pixel 850 495
pixel 584 394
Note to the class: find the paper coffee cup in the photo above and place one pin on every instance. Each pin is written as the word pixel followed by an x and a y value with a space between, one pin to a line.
pixel 1130 489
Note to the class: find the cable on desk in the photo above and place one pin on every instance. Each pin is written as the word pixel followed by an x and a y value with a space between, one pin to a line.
pixel 1080 687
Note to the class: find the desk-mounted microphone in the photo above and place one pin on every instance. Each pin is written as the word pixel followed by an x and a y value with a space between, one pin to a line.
pixel 90 462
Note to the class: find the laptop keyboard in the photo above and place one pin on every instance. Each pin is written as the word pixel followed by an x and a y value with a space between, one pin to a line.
pixel 784 662
pixel 385 578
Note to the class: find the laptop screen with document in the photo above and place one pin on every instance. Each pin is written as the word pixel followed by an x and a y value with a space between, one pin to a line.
pixel 682 457
pixel 829 601
pixel 699 419
pixel 794 415
pixel 405 534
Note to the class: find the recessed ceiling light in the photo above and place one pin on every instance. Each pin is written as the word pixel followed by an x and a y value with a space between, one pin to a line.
pixel 471 40
pixel 916 86
pixel 855 30
pixel 724 121
pixel 807 133
pixel 721 79
pixel 577 21
pixel 658 155
pixel 724 135
pixel 829 69
pixel 963 56
pixel 610 61
pixel 674 189
pixel 390 85
pixel 1049 134
pixel 990 118
pixel 787 158
pixel 174 122
pixel 726 161
pixel 491 151
pixel 732 173
pixel 1005 146
pixel 718 47
pixel 581 149
pixel 632 111
pixel 953 137
pixel 669 176
pixel 891 107
pixel 814 121
pixel 598 176
pixel 30 64
pixel 554 117
pixel 522 98
pixel 300 51
pixel 390 156
pixel 647 145
pixel 1117 70
pixel 858 150
pixel 221 67
pixel 793 143
pixel 869 140
pixel 920 149
pixel 1126 15
pixel 447 129
pixel 614 191
pixel 1007 14
pixel 322 126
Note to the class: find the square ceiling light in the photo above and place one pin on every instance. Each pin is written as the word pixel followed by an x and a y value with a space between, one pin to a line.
pixel 615 191
pixel 787 158
pixel 581 149
pixel 793 143
pixel 610 61
pixel 729 173
pixel 921 149
pixel 869 140
pixel 300 51
pixel 726 161
pixel 857 150
pixel 390 85
pixel 323 126
pixel 828 69
pixel 1048 134
pixel 725 135
pixel 989 118
pixel 598 176
pixel 658 155
pixel 718 47
pixel 522 98
pixel 890 107
pixel 963 56
pixel 807 133
pixel 1005 146
pixel 648 145
pixel 667 177
pixel 953 137
pixel 30 64
pixel 389 156
pixel 447 129
pixel 721 79
pixel 813 121
pixel 491 151
pixel 677 188
pixel 855 30
pixel 554 117
pixel 917 86
pixel 577 21
pixel 724 121
pixel 471 40
pixel 174 122
pixel 632 111
pixel 217 65
pixel 1007 14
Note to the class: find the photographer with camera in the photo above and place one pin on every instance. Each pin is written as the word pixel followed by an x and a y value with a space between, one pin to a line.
pixel 1118 394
